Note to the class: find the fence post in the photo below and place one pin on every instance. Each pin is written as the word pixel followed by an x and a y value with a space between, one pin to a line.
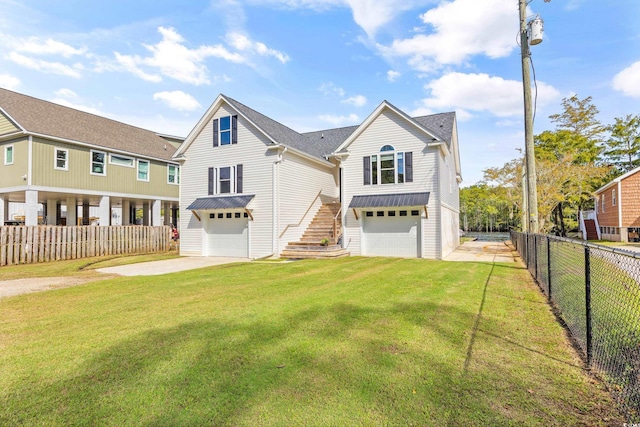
pixel 549 267
pixel 587 292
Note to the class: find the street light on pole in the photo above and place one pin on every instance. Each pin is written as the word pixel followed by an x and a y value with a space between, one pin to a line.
pixel 533 29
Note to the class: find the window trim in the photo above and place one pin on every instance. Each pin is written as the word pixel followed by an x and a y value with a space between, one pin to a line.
pixel 138 161
pixel 13 154
pixel 66 158
pixel 603 202
pixel 176 175
pixel 133 161
pixel 613 197
pixel 373 166
pixel 104 163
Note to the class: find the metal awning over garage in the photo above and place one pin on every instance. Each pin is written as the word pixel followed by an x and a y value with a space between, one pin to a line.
pixel 390 200
pixel 221 202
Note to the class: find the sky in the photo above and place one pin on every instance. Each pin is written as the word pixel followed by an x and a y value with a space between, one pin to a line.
pixel 320 64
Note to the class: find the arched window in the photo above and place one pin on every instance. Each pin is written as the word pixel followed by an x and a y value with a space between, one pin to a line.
pixel 388 167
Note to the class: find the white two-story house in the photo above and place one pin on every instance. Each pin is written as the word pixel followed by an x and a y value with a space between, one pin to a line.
pixel 252 187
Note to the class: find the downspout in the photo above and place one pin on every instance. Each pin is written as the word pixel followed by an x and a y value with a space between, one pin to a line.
pixel 275 202
pixel 619 201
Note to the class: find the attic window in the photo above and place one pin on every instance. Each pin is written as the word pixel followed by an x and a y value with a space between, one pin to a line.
pixel 387 148
pixel 225 131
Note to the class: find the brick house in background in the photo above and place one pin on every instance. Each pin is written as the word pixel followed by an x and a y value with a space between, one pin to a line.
pixel 618 208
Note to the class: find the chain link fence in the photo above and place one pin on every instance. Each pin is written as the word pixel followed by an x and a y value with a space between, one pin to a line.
pixel 597 293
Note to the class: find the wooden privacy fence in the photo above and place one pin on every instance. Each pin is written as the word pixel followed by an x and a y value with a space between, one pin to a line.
pixel 42 243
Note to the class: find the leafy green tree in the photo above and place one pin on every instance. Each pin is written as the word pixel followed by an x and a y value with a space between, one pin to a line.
pixel 580 117
pixel 623 145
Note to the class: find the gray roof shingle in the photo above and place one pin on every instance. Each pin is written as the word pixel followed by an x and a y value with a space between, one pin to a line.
pixel 322 143
pixel 46 118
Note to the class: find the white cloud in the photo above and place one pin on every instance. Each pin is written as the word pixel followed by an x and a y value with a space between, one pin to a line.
pixel 66 93
pixel 461 29
pixel 356 101
pixel 392 76
pixel 129 63
pixel 44 66
pixel 339 120
pixel 178 100
pixel 173 59
pixel 330 88
pixel 371 15
pixel 243 43
pixel 627 81
pixel 9 82
pixel 482 93
pixel 36 46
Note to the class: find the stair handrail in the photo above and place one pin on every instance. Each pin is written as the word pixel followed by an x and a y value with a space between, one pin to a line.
pixel 337 232
pixel 303 216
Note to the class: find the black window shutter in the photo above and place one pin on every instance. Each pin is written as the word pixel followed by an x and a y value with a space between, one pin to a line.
pixel 234 129
pixel 215 133
pixel 239 179
pixel 408 167
pixel 366 163
pixel 211 179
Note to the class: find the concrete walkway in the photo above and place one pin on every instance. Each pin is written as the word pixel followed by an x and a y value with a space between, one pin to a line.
pixel 482 252
pixel 173 265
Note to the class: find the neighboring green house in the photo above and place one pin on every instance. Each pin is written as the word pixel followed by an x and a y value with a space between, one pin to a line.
pixel 69 161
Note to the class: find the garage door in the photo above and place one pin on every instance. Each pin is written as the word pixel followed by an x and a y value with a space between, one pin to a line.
pixel 227 235
pixel 394 236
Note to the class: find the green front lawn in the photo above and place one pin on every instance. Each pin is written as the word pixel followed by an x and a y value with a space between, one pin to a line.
pixel 354 341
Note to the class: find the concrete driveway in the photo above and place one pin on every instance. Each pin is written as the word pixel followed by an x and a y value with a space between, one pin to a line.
pixel 9 288
pixel 154 268
pixel 482 252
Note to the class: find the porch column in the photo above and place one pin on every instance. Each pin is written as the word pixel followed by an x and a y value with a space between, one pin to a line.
pixel 145 213
pixel 167 214
pixel 4 208
pixel 156 218
pixel 126 212
pixel 72 211
pixel 85 213
pixel 104 211
pixel 174 217
pixel 51 212
pixel 31 207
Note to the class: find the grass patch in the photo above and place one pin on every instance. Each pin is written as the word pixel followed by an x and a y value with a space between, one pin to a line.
pixel 352 341
pixel 78 267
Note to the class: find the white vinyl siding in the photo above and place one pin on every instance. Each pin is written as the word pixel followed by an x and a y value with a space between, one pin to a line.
pixel 388 128
pixel 299 182
pixel 251 151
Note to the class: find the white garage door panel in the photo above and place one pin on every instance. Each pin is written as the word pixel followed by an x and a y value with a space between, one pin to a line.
pixel 391 236
pixel 228 237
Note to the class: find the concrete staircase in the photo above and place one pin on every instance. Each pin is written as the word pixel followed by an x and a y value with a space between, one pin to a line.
pixel 590 226
pixel 321 227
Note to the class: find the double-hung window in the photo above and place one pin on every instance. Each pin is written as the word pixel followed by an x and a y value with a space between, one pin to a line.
pixel 225 180
pixel 225 131
pixel 8 154
pixel 143 170
pixel 173 174
pixel 98 166
pixel 388 167
pixel 61 159
pixel 613 197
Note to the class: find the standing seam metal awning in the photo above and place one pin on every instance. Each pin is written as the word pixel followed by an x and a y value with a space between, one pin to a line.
pixel 390 200
pixel 221 202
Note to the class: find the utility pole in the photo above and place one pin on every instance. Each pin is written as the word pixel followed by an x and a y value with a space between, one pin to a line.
pixel 529 154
